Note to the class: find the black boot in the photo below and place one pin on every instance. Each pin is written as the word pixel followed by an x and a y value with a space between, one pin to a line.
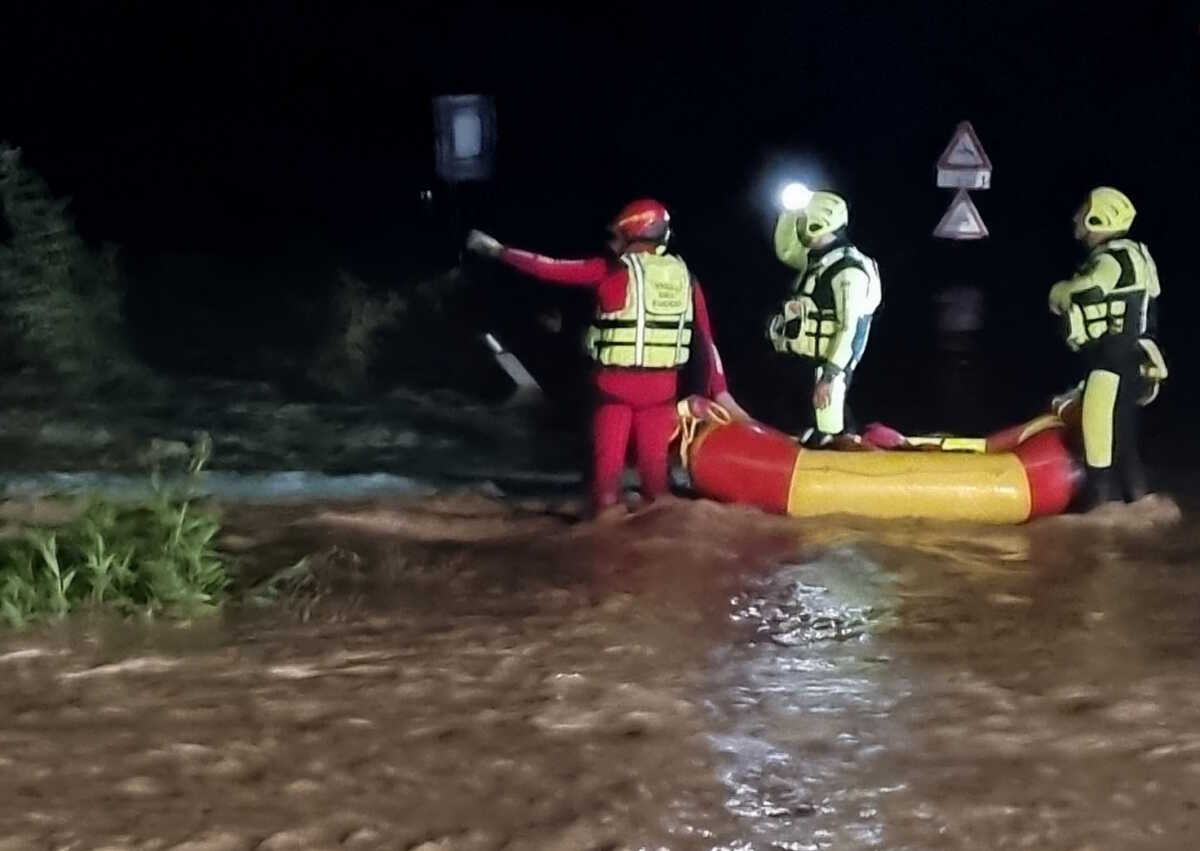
pixel 813 438
pixel 1133 481
pixel 1101 488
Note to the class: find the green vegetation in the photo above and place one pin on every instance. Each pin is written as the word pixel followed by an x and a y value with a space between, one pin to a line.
pixel 155 556
pixel 350 347
pixel 60 301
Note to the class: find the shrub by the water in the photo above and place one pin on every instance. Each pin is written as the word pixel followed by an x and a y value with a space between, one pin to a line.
pixel 60 301
pixel 155 556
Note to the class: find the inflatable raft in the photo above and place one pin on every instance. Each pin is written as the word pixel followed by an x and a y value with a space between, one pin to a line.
pixel 1022 472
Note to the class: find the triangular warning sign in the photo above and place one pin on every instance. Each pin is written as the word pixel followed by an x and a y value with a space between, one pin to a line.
pixel 964 151
pixel 962 220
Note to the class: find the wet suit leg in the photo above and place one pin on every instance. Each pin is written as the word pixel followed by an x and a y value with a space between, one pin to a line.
pixel 861 334
pixel 849 423
pixel 638 403
pixel 838 418
pixel 1128 459
pixel 652 429
pixel 830 420
pixel 611 424
pixel 1110 420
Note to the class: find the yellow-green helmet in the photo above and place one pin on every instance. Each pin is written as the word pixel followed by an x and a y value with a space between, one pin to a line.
pixel 825 213
pixel 1107 210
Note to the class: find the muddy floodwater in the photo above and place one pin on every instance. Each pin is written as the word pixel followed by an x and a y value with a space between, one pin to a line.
pixel 465 672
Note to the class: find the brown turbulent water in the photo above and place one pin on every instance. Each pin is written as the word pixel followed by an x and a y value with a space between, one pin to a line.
pixel 463 673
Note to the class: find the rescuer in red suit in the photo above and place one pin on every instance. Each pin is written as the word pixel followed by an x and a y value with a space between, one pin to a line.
pixel 651 319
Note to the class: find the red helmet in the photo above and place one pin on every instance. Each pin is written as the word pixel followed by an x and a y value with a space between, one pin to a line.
pixel 644 220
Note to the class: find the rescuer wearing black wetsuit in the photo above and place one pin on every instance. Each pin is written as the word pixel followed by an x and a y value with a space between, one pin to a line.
pixel 1109 315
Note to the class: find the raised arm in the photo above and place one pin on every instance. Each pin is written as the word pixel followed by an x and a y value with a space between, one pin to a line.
pixel 580 273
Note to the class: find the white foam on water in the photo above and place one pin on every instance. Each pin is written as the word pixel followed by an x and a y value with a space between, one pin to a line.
pixel 273 486
pixel 290 484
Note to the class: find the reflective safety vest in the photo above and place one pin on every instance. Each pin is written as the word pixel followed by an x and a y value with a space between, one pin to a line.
pixel 1114 309
pixel 654 328
pixel 809 320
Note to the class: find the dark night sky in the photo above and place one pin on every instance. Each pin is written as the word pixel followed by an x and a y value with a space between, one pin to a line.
pixel 242 129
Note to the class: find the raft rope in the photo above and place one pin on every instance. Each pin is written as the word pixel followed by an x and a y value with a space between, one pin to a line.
pixel 690 422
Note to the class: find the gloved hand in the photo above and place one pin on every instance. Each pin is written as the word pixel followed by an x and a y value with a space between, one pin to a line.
pixel 479 242
pixel 788 247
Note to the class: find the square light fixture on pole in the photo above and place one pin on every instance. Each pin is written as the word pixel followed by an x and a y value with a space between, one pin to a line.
pixel 464 137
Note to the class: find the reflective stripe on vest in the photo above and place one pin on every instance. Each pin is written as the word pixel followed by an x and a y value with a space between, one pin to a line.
pixel 654 328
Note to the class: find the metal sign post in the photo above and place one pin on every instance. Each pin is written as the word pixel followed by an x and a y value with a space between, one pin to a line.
pixel 527 391
pixel 964 167
pixel 464 129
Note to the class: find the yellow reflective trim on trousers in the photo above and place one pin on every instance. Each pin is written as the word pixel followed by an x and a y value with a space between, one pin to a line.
pixel 1099 415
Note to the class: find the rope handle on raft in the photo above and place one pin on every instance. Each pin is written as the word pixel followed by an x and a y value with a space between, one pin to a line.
pixel 689 423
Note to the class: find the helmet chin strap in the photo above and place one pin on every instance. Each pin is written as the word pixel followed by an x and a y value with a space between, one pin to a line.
pixel 657 246
pixel 821 240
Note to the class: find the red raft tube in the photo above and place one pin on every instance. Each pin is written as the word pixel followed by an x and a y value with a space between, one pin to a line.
pixel 1013 476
